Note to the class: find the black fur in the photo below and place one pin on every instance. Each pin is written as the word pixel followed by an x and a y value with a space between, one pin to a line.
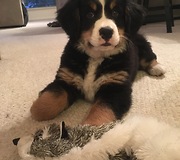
pixel 75 19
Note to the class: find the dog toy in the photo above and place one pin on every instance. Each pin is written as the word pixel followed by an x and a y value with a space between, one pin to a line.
pixel 135 138
pixel 56 140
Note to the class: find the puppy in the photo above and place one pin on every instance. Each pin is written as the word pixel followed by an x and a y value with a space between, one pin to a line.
pixel 100 60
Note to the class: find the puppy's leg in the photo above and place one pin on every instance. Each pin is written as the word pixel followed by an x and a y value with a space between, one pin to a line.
pixel 100 113
pixel 49 105
pixel 147 58
pixel 111 102
pixel 52 100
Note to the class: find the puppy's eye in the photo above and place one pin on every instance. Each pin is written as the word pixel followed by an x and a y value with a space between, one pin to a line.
pixel 90 15
pixel 115 14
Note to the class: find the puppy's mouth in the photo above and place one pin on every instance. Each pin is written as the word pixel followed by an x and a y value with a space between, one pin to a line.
pixel 106 44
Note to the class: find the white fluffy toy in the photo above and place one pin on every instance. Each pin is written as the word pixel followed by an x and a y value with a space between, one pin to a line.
pixel 135 138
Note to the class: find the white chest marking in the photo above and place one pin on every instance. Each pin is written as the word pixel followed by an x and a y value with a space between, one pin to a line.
pixel 89 83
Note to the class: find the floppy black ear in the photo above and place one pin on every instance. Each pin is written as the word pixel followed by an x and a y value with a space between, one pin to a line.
pixel 68 16
pixel 135 15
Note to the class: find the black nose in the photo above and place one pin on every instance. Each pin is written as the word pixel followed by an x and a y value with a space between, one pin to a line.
pixel 106 33
pixel 15 141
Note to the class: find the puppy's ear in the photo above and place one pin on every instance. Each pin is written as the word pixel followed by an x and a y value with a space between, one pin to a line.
pixel 15 141
pixel 68 16
pixel 63 131
pixel 134 18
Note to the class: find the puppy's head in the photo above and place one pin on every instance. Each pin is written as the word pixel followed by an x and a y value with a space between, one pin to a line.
pixel 100 27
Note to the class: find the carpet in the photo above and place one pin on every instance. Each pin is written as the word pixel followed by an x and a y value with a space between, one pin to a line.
pixel 29 60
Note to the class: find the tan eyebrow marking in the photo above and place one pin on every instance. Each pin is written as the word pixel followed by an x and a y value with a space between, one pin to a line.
pixel 113 4
pixel 93 5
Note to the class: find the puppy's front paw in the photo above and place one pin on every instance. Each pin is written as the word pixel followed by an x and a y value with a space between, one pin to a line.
pixel 157 70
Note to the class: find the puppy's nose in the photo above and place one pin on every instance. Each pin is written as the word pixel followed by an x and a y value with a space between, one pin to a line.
pixel 106 33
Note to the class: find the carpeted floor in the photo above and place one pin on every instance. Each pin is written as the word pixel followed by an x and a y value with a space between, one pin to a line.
pixel 30 58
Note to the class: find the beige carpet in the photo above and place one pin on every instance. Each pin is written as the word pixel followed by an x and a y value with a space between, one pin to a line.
pixel 30 58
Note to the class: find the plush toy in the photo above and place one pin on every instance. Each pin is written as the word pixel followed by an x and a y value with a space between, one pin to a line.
pixel 57 140
pixel 135 138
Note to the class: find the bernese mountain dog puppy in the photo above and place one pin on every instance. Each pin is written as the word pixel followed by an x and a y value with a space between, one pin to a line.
pixel 100 60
